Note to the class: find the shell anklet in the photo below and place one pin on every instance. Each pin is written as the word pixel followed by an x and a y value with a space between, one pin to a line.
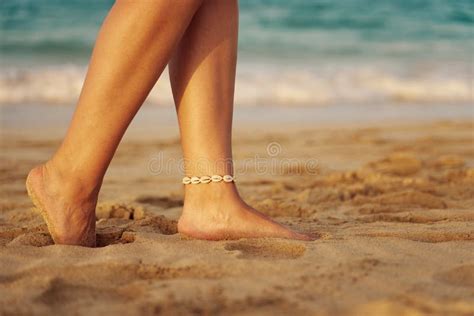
pixel 208 179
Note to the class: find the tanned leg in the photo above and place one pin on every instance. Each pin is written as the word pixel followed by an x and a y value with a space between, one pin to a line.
pixel 134 45
pixel 202 74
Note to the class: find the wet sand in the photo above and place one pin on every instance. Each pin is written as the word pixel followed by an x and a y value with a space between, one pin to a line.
pixel 392 205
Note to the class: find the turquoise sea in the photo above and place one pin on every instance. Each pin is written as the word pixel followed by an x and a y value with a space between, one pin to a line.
pixel 291 53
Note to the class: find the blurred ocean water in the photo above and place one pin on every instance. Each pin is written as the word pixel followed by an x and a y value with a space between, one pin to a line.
pixel 291 53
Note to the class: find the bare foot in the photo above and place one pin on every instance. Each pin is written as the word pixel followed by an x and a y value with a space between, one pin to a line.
pixel 68 210
pixel 215 211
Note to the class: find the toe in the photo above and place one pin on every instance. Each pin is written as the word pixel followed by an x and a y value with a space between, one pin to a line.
pixel 291 234
pixel 300 236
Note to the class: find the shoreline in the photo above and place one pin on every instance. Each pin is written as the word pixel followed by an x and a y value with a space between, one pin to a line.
pixel 56 118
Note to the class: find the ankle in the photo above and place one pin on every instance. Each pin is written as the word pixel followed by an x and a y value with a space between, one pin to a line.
pixel 71 184
pixel 211 194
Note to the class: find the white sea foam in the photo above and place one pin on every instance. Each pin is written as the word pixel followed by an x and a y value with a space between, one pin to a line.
pixel 268 85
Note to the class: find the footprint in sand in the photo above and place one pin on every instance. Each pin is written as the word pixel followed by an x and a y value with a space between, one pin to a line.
pixel 266 249
pixel 155 224
pixel 118 210
pixel 8 233
pixel 111 235
pixel 105 237
pixel 459 276
pixel 109 231
pixel 35 239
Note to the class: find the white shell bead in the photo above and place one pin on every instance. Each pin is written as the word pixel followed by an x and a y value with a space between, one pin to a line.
pixel 216 178
pixel 228 178
pixel 207 179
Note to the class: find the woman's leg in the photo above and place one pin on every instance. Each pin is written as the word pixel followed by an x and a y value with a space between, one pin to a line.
pixel 202 74
pixel 134 45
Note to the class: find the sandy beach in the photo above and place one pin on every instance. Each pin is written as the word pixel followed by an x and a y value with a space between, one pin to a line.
pixel 392 206
pixel 353 123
